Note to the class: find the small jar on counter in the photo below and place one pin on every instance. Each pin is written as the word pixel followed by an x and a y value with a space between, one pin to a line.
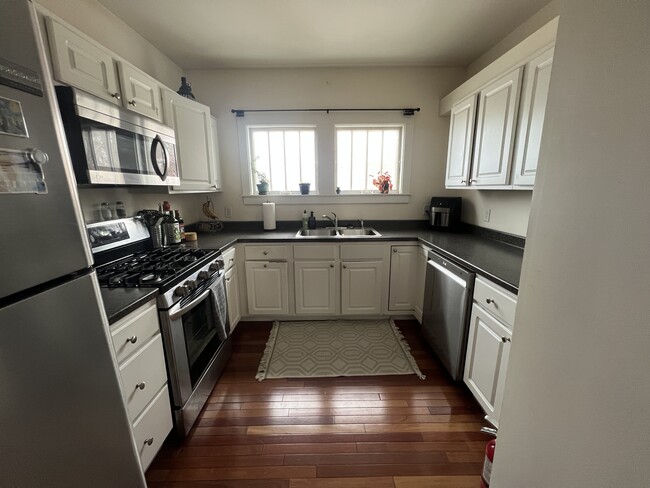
pixel 120 210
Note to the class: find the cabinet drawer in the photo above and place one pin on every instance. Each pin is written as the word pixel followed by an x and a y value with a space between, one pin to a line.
pixel 229 258
pixel 497 301
pixel 362 252
pixel 135 330
pixel 266 253
pixel 319 252
pixel 143 375
pixel 151 429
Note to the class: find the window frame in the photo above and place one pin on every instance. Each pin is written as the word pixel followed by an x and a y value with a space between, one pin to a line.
pixel 325 125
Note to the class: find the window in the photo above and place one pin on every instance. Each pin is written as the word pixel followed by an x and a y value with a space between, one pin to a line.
pixel 286 156
pixel 363 152
pixel 327 150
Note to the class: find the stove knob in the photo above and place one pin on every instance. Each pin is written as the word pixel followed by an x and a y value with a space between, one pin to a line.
pixel 214 267
pixel 191 284
pixel 181 291
pixel 204 275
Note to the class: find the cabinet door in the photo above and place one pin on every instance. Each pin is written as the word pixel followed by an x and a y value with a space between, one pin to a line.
pixel 421 271
pixel 193 126
pixel 140 92
pixel 267 285
pixel 486 363
pixel 232 297
pixel 495 128
pixel 461 137
pixel 361 284
pixel 316 287
pixel 80 62
pixel 403 268
pixel 216 160
pixel 537 78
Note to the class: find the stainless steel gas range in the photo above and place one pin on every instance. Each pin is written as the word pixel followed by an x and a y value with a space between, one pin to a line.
pixel 191 306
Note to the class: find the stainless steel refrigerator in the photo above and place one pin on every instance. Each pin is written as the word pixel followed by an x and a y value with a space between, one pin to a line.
pixel 63 422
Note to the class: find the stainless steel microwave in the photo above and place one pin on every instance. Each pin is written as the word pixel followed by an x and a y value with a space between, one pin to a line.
pixel 112 146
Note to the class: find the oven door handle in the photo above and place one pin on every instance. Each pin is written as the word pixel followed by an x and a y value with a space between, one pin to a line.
pixel 182 311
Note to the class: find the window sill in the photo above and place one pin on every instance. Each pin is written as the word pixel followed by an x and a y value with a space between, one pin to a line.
pixel 329 199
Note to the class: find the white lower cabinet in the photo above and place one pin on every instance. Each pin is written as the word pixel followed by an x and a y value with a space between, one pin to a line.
pixel 488 345
pixel 403 268
pixel 138 346
pixel 232 297
pixel 316 290
pixel 267 286
pixel 361 287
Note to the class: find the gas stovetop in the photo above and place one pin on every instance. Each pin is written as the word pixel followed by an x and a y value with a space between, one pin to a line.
pixel 157 268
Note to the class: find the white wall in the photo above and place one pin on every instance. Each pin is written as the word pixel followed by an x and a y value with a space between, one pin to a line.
pixel 224 90
pixel 576 411
pixel 96 21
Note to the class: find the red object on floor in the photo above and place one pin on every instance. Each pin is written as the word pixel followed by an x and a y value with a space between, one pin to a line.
pixel 487 463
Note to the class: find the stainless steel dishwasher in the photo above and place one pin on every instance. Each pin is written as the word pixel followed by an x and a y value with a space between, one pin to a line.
pixel 445 318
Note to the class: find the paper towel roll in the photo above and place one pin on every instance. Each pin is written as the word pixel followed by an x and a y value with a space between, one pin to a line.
pixel 268 215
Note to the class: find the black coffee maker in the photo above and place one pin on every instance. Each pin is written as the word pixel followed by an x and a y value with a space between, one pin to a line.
pixel 444 213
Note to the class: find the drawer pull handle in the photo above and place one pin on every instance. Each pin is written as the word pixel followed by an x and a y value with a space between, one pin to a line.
pixel 489 300
pixel 265 253
pixel 132 340
pixel 149 441
pixel 116 96
pixel 141 385
pixel 506 339
pixel 132 103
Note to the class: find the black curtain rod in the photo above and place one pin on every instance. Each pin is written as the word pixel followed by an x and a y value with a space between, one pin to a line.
pixel 405 111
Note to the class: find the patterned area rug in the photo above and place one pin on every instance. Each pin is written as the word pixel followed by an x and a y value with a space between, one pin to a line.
pixel 327 348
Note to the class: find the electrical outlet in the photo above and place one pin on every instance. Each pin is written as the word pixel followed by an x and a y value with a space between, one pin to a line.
pixel 228 212
pixel 427 209
pixel 486 216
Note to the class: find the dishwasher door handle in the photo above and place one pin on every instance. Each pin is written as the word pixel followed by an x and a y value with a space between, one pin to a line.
pixel 448 273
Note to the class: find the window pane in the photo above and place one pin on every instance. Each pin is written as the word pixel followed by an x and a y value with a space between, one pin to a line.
pixel 286 155
pixel 343 159
pixel 363 152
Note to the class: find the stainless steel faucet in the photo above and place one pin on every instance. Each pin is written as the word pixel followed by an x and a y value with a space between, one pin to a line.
pixel 335 221
pixel 361 223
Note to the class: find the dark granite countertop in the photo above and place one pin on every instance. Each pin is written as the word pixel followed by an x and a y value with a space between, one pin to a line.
pixel 119 302
pixel 497 261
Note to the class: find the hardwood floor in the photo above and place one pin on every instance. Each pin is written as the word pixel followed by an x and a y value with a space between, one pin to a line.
pixel 375 432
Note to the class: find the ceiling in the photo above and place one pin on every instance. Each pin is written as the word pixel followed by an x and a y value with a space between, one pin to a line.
pixel 203 34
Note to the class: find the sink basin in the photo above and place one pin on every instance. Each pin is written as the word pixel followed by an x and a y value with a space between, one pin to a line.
pixel 367 231
pixel 338 232
pixel 317 233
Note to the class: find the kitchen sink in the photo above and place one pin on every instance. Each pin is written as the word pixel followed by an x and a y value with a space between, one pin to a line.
pixel 339 232
pixel 366 231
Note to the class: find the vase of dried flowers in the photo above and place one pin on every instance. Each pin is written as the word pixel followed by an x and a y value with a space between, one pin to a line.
pixel 383 182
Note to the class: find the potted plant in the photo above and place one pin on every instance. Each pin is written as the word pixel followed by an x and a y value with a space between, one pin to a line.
pixel 383 182
pixel 304 188
pixel 262 182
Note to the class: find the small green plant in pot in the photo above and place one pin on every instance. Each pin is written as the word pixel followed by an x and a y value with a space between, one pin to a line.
pixel 263 183
pixel 304 188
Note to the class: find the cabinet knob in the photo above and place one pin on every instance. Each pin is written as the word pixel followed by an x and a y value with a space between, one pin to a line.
pixel 265 253
pixel 132 340
pixel 149 441
pixel 227 280
pixel 394 250
pixel 345 266
pixel 473 181
pixel 489 300
pixel 463 181
pixel 141 385
pixel 116 96
pixel 266 265
pixel 505 339
pixel 132 103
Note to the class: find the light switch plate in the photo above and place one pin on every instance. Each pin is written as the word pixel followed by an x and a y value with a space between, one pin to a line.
pixel 486 216
pixel 228 212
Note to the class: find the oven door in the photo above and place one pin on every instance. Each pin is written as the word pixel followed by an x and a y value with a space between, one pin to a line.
pixel 190 329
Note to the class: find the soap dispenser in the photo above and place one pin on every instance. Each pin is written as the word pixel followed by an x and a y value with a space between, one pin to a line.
pixel 311 222
pixel 305 220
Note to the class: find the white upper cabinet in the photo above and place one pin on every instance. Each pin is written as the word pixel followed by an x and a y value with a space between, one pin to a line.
pixel 537 78
pixel 461 137
pixel 140 92
pixel 82 63
pixel 79 61
pixel 198 163
pixel 495 131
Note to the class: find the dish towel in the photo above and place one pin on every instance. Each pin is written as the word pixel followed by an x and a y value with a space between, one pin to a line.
pixel 218 295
